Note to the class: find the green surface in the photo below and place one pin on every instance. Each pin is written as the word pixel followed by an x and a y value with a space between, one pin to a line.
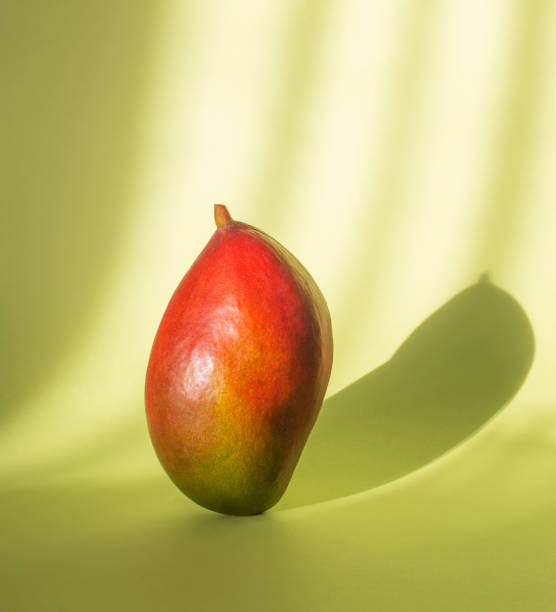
pixel 405 154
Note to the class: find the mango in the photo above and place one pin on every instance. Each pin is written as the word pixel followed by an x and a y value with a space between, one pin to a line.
pixel 238 371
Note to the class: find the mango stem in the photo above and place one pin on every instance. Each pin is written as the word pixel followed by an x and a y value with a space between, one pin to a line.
pixel 221 215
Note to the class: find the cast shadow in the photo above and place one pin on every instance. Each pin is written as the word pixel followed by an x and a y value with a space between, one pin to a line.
pixel 451 375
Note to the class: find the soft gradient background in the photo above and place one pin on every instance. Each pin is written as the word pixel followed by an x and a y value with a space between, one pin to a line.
pixel 402 150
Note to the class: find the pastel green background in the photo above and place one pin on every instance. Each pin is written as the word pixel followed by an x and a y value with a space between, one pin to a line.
pixel 401 150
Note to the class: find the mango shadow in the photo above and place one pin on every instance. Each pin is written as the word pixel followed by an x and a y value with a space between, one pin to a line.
pixel 451 375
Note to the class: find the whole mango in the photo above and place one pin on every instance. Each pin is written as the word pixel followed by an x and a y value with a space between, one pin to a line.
pixel 238 371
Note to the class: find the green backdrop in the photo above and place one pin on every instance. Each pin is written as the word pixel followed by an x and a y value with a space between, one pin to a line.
pixel 404 152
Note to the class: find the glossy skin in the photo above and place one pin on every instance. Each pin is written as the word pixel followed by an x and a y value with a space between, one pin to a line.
pixel 238 371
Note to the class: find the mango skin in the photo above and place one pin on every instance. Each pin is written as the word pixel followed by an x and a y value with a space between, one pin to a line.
pixel 238 372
